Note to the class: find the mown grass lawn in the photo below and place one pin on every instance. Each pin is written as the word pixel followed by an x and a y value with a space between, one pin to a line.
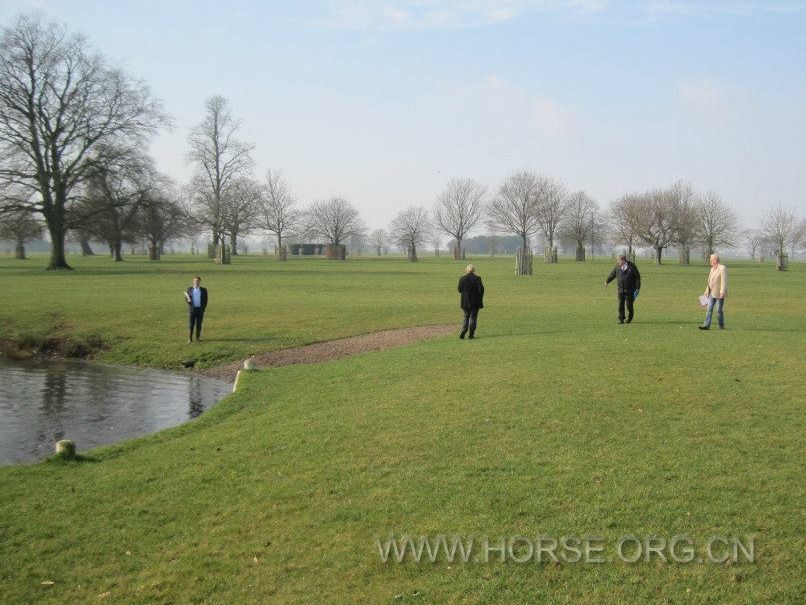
pixel 556 421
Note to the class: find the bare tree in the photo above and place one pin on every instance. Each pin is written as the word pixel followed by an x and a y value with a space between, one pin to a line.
pixel 19 226
pixel 551 212
pixel 459 208
pixel 334 220
pixel 754 238
pixel 623 219
pixel 717 223
pixel 800 235
pixel 279 213
pixel 219 158
pixel 410 228
pixel 58 102
pixel 115 191
pixel 514 210
pixel 580 220
pixel 685 218
pixel 240 209
pixel 655 220
pixel 780 227
pixel 378 240
pixel 162 218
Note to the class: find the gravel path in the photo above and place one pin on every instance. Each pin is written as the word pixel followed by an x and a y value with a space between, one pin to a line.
pixel 334 349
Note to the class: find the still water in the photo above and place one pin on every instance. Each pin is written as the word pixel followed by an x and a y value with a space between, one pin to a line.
pixel 92 404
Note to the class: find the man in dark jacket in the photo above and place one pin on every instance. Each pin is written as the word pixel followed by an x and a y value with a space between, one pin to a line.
pixel 628 280
pixel 196 298
pixel 472 291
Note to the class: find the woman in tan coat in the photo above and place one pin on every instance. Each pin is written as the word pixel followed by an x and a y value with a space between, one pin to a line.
pixel 716 291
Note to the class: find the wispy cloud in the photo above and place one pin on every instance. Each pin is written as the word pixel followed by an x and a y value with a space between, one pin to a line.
pixel 454 14
pixel 682 8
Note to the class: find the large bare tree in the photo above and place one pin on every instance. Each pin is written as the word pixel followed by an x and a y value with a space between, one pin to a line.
pixel 551 211
pixel 59 101
pixel 113 195
pixel 514 209
pixel 581 220
pixel 780 227
pixel 717 224
pixel 278 210
pixel 685 218
pixel 655 220
pixel 410 228
pixel 459 208
pixel 162 218
pixel 240 209
pixel 623 220
pixel 219 158
pixel 333 220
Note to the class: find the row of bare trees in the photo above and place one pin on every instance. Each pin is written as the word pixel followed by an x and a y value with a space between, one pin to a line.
pixel 72 131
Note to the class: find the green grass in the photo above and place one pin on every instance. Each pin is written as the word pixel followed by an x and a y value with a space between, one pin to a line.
pixel 556 421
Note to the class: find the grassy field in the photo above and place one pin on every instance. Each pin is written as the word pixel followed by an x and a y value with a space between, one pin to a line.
pixel 556 422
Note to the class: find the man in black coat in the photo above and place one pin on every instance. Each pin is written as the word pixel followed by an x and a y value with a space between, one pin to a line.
pixel 196 298
pixel 628 280
pixel 472 291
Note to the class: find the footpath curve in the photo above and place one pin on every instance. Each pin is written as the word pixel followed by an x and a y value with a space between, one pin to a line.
pixel 334 349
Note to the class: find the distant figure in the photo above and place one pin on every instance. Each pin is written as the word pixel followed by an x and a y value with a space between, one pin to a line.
pixel 716 290
pixel 628 280
pixel 472 291
pixel 196 298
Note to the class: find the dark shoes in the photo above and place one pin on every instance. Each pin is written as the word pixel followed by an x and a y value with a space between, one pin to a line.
pixel 704 327
pixel 462 335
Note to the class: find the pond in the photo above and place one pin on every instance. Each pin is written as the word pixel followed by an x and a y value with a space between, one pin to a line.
pixel 92 404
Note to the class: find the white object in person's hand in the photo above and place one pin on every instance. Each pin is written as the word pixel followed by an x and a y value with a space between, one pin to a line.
pixel 187 297
pixel 703 300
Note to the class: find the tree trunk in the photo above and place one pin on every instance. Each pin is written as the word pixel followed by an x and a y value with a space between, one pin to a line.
pixel 658 255
pixel 117 248
pixel 58 259
pixel 580 251
pixel 413 253
pixel 86 249
pixel 685 255
pixel 233 244
pixel 457 251
pixel 523 259
pixel 19 250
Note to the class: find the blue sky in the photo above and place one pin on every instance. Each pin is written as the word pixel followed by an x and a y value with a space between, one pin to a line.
pixel 383 102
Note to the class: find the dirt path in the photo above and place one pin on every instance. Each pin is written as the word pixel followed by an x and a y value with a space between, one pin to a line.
pixel 334 349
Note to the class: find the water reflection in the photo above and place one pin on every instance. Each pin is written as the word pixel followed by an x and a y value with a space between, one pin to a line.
pixel 92 404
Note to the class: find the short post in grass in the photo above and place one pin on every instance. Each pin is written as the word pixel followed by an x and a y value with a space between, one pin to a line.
pixel 66 449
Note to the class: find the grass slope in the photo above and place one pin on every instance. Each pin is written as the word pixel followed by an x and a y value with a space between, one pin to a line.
pixel 556 421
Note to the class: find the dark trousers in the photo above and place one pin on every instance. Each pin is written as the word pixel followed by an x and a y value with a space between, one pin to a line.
pixel 470 321
pixel 196 316
pixel 628 298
